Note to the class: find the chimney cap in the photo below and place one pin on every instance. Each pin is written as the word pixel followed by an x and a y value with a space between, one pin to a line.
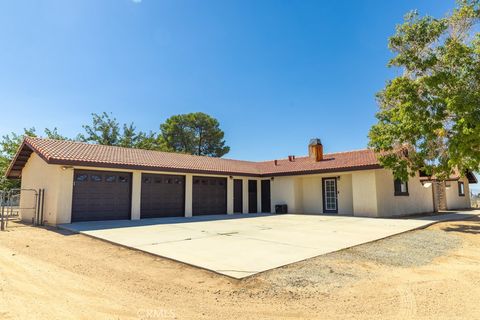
pixel 315 141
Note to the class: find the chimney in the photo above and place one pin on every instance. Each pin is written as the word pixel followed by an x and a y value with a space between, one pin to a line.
pixel 275 162
pixel 291 158
pixel 315 149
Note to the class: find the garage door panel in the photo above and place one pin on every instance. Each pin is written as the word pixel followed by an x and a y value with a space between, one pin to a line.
pixel 209 195
pixel 162 196
pixel 101 195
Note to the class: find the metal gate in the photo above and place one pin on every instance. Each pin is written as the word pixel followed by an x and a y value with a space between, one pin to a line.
pixel 11 205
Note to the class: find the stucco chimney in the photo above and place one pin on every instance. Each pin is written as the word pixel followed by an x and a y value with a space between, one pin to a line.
pixel 315 149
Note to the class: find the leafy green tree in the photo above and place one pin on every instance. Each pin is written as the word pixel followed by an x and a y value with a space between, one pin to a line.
pixel 106 130
pixel 149 141
pixel 429 117
pixel 193 133
pixel 103 130
pixel 53 134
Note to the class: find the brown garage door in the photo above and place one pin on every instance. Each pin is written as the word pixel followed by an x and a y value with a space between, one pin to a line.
pixel 209 196
pixel 162 196
pixel 101 195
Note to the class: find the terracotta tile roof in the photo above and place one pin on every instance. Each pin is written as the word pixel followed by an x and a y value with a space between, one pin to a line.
pixel 93 155
pixel 340 161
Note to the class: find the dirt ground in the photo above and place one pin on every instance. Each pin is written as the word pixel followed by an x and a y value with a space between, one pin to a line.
pixel 432 273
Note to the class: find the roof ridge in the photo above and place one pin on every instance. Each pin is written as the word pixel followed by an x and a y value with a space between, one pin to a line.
pixel 326 154
pixel 133 148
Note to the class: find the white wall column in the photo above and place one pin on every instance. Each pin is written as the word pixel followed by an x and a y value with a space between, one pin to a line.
pixel 259 196
pixel 136 194
pixel 229 195
pixel 245 194
pixel 188 195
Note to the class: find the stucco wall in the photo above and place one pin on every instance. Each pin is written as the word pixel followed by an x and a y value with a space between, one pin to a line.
pixel 454 201
pixel 364 188
pixel 37 174
pixel 287 190
pixel 419 200
pixel 312 195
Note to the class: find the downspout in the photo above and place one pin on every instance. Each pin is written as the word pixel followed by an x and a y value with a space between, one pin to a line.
pixel 41 207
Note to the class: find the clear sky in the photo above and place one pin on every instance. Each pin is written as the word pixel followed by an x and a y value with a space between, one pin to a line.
pixel 275 73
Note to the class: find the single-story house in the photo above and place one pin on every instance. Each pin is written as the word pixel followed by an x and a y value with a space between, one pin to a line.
pixel 85 182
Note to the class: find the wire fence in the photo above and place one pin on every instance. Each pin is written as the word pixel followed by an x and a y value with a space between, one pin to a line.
pixel 11 205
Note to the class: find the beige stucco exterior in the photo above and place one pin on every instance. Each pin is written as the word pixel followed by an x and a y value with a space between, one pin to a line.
pixel 365 195
pixel 58 186
pixel 419 199
pixel 303 194
pixel 360 193
pixel 454 200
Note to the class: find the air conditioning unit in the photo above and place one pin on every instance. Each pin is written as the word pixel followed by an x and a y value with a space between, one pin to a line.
pixel 281 208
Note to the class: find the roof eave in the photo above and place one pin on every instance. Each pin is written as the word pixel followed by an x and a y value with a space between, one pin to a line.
pixel 319 171
pixel 9 172
pixel 471 178
pixel 147 168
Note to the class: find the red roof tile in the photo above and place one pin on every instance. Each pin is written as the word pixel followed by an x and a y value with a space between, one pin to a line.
pixel 79 153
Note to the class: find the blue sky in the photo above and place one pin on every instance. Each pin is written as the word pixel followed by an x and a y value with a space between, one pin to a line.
pixel 275 73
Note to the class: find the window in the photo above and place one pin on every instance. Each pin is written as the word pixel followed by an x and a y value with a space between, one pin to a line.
pixel 461 189
pixel 147 180
pixel 401 187
pixel 95 178
pixel 81 177
pixel 109 178
pixel 122 179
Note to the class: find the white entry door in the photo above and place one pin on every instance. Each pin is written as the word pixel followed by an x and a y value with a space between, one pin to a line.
pixel 330 199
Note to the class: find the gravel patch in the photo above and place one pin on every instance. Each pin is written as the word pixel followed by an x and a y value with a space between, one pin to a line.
pixel 321 275
pixel 411 249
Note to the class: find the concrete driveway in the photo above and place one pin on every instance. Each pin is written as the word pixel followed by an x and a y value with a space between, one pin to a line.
pixel 242 245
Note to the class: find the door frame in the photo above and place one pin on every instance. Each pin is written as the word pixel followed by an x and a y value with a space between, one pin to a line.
pixel 251 208
pixel 266 199
pixel 238 182
pixel 323 195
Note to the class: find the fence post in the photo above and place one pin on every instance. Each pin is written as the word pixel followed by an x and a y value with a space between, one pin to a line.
pixel 2 208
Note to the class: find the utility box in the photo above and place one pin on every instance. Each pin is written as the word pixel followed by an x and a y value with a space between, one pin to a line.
pixel 281 208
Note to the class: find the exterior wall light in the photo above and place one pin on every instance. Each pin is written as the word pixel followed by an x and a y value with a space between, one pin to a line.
pixel 66 167
pixel 427 184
